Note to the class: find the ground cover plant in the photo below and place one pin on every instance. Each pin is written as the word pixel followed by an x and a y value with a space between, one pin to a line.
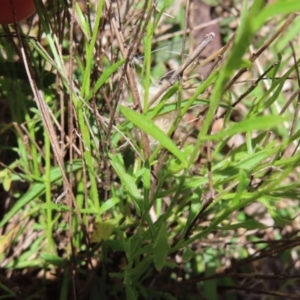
pixel 129 172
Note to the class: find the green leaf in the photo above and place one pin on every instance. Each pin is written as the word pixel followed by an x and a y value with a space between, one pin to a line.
pixel 258 123
pixel 164 108
pixel 150 128
pixel 249 225
pixel 242 187
pixel 83 21
pixel 134 244
pixel 103 231
pixel 159 106
pixel 52 259
pixel 272 210
pixel 278 7
pixel 251 161
pixel 128 181
pixel 195 207
pixel 147 180
pixel 53 206
pixel 188 254
pixel 167 3
pixel 108 205
pixel 7 180
pixel 244 35
pixel 161 247
pixel 37 190
pixel 107 74
pixel 90 51
pixel 131 293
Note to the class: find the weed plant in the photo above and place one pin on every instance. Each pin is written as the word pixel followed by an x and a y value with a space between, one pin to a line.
pixel 107 194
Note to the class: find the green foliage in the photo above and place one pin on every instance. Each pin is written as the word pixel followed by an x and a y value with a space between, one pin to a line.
pixel 119 219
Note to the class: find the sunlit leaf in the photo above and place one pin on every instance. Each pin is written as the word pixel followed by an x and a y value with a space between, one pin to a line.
pixel 102 232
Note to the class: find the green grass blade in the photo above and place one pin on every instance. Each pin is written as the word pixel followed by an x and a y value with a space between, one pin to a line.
pixel 36 191
pixel 161 247
pixel 150 128
pixel 128 181
pixel 259 123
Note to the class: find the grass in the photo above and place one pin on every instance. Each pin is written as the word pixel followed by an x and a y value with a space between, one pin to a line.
pixel 107 195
